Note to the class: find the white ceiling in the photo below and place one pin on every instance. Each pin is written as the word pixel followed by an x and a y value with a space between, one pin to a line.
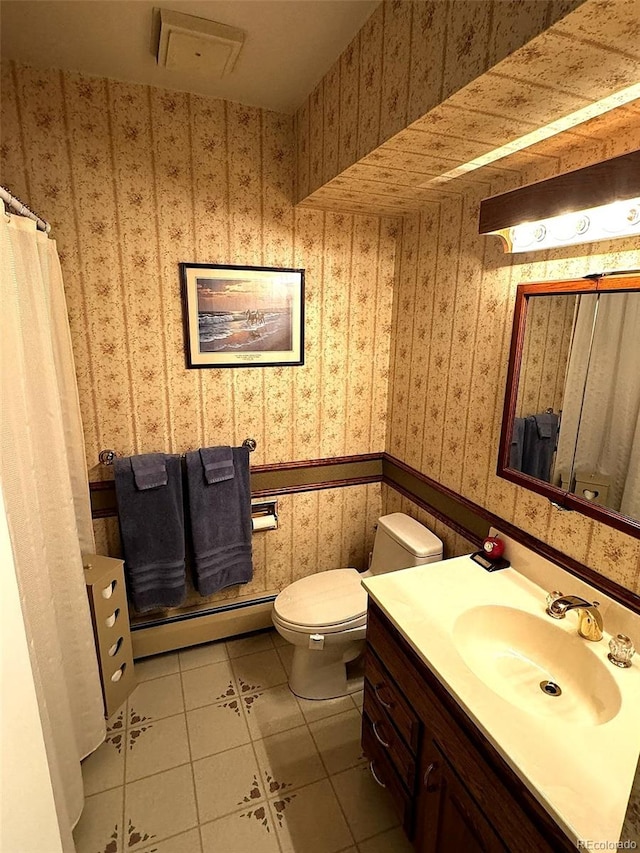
pixel 289 44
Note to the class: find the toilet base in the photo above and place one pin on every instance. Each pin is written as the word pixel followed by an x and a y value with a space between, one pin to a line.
pixel 324 674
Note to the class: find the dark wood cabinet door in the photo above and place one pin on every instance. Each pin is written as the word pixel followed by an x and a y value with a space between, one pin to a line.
pixel 448 820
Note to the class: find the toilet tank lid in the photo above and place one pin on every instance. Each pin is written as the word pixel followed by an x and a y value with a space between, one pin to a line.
pixel 412 535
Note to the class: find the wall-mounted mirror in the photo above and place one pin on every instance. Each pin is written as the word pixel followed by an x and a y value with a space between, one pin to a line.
pixel 571 422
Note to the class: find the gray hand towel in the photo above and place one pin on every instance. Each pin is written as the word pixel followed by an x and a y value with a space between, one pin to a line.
pixel 537 455
pixel 152 530
pixel 220 524
pixel 218 463
pixel 149 470
pixel 547 424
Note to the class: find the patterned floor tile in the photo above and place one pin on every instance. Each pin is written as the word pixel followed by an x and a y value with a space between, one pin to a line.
pixel 338 740
pixel 103 769
pixel 159 807
pixel 259 671
pixel 310 821
pixel 216 728
pixel 160 697
pixel 186 842
pixel 273 711
pixel 202 655
pixel 250 644
pixel 288 760
pixel 156 666
pixel 280 802
pixel 367 806
pixel 116 720
pixel 100 828
pixel 226 781
pixel 393 841
pixel 160 745
pixel 248 831
pixel 207 685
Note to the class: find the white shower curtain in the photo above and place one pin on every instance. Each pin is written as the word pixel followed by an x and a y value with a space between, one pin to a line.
pixel 574 382
pixel 45 491
pixel 610 422
pixel 609 411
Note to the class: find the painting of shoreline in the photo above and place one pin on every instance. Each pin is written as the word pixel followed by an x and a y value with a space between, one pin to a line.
pixel 244 330
pixel 243 315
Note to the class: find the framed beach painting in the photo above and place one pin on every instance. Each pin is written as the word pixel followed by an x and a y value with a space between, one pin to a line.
pixel 242 316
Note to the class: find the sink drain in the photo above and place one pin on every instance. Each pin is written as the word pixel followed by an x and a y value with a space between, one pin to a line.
pixel 550 688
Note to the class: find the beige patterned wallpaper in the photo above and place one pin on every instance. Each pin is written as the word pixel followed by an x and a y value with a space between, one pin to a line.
pixel 177 177
pixel 544 354
pixel 536 90
pixel 136 179
pixel 455 290
pixel 410 56
pixel 451 334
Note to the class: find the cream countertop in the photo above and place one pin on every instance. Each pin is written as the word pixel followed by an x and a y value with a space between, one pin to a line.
pixel 580 772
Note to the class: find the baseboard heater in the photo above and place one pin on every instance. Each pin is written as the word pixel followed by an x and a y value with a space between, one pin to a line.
pixel 181 630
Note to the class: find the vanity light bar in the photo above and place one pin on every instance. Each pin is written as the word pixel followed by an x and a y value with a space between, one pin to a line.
pixel 597 202
pixel 606 222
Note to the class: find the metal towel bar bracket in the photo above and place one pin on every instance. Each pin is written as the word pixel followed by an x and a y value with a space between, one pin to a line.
pixel 106 457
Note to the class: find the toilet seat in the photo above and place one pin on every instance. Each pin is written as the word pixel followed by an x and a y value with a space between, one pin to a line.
pixel 339 628
pixel 324 603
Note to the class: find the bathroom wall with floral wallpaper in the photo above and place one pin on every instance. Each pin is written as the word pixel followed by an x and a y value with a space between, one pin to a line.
pixel 451 333
pixel 406 59
pixel 544 354
pixel 137 179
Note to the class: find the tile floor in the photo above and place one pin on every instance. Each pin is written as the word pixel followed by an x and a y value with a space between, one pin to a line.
pixel 213 754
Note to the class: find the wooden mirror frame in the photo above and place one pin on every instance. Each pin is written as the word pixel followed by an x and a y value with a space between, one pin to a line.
pixel 610 283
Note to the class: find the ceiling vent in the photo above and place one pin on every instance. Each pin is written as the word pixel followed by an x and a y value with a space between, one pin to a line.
pixel 195 45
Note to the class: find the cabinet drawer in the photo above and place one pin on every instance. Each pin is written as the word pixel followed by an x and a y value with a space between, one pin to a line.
pixel 391 699
pixel 384 774
pixel 389 739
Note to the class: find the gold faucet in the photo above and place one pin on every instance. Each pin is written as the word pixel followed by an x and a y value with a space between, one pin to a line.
pixel 590 624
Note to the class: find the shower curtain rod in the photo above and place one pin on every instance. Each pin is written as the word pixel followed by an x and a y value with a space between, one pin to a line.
pixel 22 210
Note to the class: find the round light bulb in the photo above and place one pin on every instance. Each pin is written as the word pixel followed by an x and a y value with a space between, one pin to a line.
pixel 564 227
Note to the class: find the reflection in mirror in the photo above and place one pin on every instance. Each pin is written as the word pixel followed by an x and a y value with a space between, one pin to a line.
pixel 582 330
pixel 606 467
pixel 577 412
pixel 545 358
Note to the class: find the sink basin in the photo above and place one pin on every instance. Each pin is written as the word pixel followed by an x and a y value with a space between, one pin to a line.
pixel 513 652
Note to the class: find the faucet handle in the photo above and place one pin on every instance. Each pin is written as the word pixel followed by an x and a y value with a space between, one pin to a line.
pixel 553 596
pixel 622 650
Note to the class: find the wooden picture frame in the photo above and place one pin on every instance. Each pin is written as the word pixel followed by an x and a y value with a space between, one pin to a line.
pixel 615 282
pixel 242 316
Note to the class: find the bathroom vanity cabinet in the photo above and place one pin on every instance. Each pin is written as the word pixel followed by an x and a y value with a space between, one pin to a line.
pixel 451 788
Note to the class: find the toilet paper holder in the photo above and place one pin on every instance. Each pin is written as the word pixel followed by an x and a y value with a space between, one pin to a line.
pixel 264 515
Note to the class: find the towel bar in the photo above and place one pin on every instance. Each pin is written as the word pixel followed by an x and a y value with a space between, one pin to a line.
pixel 106 457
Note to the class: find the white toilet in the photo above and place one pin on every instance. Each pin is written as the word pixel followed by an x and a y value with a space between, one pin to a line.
pixel 324 615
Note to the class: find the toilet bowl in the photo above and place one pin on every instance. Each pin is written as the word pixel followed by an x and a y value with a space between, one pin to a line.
pixel 324 616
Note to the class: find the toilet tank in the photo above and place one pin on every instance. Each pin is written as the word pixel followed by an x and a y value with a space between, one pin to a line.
pixel 400 542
